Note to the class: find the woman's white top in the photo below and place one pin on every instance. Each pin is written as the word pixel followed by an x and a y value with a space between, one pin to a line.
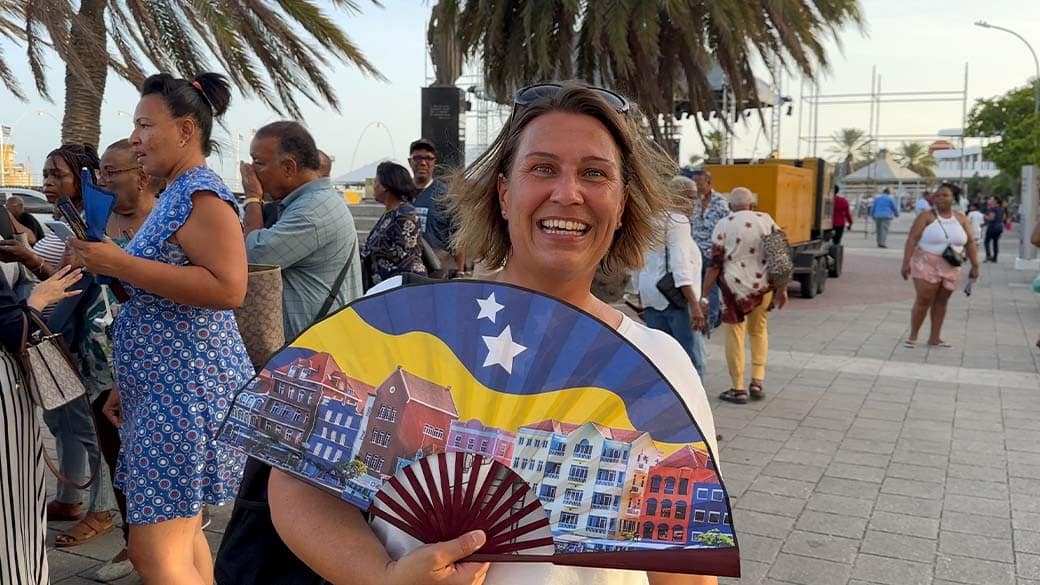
pixel 935 240
pixel 976 219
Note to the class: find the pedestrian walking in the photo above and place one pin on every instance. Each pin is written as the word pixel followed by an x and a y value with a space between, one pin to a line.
pixel 995 217
pixel 923 204
pixel 884 209
pixel 313 239
pixel 976 220
pixel 739 269
pixel 569 184
pixel 178 354
pixel 431 204
pixel 842 216
pixel 23 517
pixel 394 246
pixel 709 206
pixel 676 254
pixel 933 256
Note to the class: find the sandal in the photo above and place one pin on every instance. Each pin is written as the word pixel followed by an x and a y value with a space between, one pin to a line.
pixel 910 343
pixel 734 396
pixel 757 392
pixel 941 344
pixel 90 527
pixel 63 511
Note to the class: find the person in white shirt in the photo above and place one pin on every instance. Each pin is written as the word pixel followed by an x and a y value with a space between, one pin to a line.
pixel 976 219
pixel 923 204
pixel 679 255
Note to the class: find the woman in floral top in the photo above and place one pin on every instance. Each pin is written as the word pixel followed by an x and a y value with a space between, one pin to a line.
pixel 393 246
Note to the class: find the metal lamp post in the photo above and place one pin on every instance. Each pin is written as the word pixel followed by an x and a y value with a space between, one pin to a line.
pixel 1026 252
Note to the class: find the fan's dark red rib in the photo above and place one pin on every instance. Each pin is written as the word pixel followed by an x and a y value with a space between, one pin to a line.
pixel 456 486
pixel 508 548
pixel 473 510
pixel 397 522
pixel 402 513
pixel 440 519
pixel 426 506
pixel 502 510
pixel 446 495
pixel 507 537
pixel 522 513
pixel 416 509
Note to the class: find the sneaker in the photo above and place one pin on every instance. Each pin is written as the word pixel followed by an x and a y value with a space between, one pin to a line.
pixel 117 568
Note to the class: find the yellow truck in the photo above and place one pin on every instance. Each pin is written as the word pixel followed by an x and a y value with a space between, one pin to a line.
pixel 797 194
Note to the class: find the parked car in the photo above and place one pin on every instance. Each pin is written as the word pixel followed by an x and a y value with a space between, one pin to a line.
pixel 35 201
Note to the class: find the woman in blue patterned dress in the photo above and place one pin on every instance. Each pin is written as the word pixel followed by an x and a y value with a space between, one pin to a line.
pixel 393 246
pixel 178 354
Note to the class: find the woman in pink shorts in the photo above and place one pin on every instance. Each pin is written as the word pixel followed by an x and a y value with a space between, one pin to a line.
pixel 925 259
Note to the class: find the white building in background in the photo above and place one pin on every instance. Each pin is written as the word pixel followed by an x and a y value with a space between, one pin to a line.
pixel 950 161
pixel 590 478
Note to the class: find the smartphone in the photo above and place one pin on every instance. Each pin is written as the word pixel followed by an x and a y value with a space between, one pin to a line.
pixel 60 229
pixel 71 216
pixel 6 227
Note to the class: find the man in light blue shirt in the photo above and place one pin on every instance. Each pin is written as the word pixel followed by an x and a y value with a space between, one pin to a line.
pixel 883 211
pixel 312 239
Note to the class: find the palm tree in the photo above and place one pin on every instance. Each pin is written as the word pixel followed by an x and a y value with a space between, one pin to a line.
pixel 915 156
pixel 713 144
pixel 850 144
pixel 275 51
pixel 660 52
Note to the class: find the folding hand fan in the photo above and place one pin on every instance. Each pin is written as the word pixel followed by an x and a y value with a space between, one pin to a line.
pixel 444 407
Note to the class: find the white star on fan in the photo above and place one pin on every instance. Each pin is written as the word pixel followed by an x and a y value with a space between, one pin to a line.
pixel 502 350
pixel 489 307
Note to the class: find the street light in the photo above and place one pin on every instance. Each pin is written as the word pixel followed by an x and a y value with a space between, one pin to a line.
pixel 1036 62
pixel 1026 252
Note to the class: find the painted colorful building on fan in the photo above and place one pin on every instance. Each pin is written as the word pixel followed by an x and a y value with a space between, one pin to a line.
pixel 474 438
pixel 589 477
pixel 409 418
pixel 683 499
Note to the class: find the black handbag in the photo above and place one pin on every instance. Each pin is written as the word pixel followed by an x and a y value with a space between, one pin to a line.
pixel 951 256
pixel 666 285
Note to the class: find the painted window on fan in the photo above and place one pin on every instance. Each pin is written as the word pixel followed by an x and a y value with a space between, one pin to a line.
pixel 381 438
pixel 684 486
pixel 578 474
pixel 547 493
pixel 666 509
pixel 669 485
pixel 680 510
pixel 698 515
pixel 583 450
pixel 717 495
pixel 702 493
pixel 552 470
pixel 713 517
pixel 655 484
pixel 458 441
pixel 651 506
pixel 572 497
pixel 568 521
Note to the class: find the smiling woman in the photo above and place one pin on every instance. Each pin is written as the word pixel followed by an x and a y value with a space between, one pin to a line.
pixel 568 186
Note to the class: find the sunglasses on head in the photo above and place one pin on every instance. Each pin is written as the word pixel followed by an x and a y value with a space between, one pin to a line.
pixel 533 93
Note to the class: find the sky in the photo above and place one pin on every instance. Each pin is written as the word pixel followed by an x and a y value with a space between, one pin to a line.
pixel 916 45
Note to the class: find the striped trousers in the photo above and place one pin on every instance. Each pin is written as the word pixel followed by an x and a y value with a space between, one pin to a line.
pixel 23 518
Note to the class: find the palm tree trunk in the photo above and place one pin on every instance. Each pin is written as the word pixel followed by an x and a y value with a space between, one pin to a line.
pixel 82 123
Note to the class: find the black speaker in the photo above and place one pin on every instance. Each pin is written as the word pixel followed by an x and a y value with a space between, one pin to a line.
pixel 444 122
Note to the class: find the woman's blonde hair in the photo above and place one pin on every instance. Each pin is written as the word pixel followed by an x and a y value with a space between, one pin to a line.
pixel 473 200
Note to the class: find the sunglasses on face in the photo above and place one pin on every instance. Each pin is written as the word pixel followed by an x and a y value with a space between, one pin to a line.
pixel 533 93
pixel 418 158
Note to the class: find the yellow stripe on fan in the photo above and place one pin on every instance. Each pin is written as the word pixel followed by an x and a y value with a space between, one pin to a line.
pixel 369 355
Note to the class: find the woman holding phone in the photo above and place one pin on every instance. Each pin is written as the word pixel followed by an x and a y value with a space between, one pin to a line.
pixel 178 353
